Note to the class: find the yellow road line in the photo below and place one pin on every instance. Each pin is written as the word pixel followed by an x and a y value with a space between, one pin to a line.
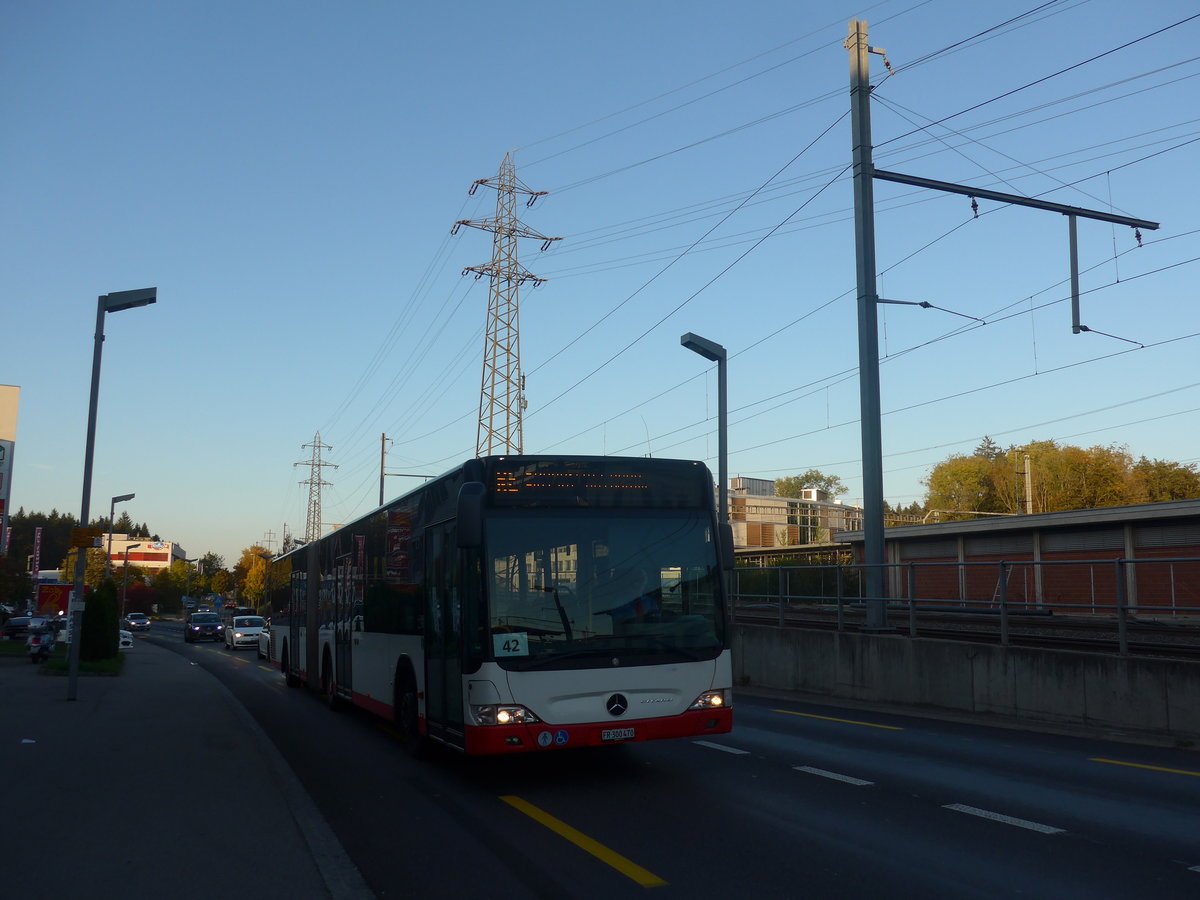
pixel 788 712
pixel 1117 762
pixel 626 867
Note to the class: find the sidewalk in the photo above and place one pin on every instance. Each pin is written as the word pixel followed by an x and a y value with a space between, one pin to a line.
pixel 154 782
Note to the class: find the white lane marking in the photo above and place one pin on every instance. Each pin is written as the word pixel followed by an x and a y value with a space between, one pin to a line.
pixel 834 775
pixel 1194 868
pixel 713 746
pixel 1007 820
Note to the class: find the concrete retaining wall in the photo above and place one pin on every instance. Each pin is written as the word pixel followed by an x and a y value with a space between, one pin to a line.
pixel 1159 697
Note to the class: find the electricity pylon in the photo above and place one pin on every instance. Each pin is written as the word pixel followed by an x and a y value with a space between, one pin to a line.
pixel 502 395
pixel 312 527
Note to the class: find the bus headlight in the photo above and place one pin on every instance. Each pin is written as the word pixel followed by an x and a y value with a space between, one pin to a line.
pixel 711 700
pixel 493 714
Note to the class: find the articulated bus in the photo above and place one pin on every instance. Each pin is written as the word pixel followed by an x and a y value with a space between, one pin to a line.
pixel 521 603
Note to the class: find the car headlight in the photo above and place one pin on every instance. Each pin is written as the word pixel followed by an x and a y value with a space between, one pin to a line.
pixel 238 634
pixel 195 628
pixel 493 714
pixel 711 700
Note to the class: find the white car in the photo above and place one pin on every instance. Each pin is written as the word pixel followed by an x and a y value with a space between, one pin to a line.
pixel 264 641
pixel 243 631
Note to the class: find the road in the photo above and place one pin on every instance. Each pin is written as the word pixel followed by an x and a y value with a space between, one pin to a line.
pixel 800 800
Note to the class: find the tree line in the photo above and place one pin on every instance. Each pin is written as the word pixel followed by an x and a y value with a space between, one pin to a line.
pixel 145 588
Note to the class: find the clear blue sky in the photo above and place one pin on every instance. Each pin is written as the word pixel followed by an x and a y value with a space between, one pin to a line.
pixel 286 174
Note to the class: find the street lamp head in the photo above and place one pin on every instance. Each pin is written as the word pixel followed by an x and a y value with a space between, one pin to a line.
pixel 120 300
pixel 122 498
pixel 706 348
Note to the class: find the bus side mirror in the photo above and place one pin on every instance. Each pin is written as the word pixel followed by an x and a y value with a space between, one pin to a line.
pixel 725 530
pixel 470 514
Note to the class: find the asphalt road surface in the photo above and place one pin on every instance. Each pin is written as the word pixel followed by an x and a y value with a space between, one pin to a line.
pixel 801 800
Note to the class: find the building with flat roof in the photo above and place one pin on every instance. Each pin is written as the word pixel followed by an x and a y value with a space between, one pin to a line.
pixel 145 553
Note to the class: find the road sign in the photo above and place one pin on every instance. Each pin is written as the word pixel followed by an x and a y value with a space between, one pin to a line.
pixel 85 537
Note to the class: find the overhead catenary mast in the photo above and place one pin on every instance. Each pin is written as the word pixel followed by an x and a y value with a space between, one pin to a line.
pixel 502 394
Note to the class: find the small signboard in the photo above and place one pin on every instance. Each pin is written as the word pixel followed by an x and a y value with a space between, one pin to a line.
pixel 85 537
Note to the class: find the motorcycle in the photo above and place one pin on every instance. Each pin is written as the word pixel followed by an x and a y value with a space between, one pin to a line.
pixel 41 644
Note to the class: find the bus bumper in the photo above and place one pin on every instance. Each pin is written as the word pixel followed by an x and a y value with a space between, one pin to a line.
pixel 494 739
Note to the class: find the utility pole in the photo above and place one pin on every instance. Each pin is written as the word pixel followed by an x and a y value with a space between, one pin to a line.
pixel 502 394
pixel 312 528
pixel 868 333
pixel 383 439
pixel 1028 485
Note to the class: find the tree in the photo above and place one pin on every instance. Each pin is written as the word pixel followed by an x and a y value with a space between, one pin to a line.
pixel 1157 481
pixel 221 581
pixel 1060 478
pixel 16 587
pixel 962 483
pixel 140 597
pixel 250 574
pixel 98 635
pixel 812 479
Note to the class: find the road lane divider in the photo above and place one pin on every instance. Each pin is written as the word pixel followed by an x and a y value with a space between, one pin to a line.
pixel 1131 765
pixel 712 746
pixel 1007 820
pixel 609 857
pixel 858 782
pixel 788 712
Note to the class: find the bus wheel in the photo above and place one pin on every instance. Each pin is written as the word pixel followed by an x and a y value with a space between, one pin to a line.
pixel 328 688
pixel 406 713
pixel 284 663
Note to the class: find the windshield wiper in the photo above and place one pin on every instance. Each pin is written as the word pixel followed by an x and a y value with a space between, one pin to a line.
pixel 562 613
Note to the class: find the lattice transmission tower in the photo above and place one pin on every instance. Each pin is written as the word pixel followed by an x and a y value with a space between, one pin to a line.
pixel 312 526
pixel 502 395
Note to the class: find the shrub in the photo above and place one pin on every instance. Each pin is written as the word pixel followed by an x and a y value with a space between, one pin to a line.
pixel 98 637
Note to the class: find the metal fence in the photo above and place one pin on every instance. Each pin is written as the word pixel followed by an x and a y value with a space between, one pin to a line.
pixel 1167 587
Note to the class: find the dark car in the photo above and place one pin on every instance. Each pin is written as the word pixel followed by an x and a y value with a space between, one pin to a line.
pixel 18 626
pixel 203 626
pixel 137 622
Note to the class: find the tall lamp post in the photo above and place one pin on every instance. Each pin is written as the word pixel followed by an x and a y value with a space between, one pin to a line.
pixel 105 303
pixel 125 582
pixel 715 352
pixel 112 510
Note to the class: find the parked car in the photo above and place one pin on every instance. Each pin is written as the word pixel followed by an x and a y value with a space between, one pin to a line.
pixel 18 626
pixel 137 622
pixel 243 631
pixel 202 626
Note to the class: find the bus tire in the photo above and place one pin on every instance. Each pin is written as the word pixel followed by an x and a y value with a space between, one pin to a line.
pixel 407 712
pixel 284 663
pixel 328 686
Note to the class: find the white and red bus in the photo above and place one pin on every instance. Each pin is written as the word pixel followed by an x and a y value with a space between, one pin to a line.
pixel 519 604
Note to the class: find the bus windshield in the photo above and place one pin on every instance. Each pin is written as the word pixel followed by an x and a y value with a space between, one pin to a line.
pixel 602 588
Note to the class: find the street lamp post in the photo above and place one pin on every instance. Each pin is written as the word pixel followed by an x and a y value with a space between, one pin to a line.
pixel 112 510
pixel 715 352
pixel 125 583
pixel 105 303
